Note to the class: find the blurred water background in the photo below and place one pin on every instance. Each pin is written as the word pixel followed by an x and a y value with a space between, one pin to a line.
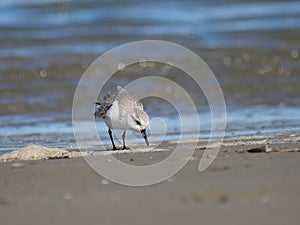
pixel 251 46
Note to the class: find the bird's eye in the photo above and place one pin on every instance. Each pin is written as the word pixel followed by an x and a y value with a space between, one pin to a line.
pixel 138 122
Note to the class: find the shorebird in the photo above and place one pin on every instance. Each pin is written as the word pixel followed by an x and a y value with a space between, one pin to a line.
pixel 122 111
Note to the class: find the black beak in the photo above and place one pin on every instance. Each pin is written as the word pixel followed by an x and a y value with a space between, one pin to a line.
pixel 145 136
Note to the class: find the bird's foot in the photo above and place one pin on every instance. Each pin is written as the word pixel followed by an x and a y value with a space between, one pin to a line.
pixel 125 148
pixel 115 148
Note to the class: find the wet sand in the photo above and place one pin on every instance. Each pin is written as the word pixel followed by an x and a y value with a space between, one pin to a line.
pixel 238 188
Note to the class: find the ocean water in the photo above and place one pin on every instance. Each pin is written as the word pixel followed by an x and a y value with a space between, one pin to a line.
pixel 253 48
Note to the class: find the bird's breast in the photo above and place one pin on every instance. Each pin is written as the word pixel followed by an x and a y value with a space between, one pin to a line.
pixel 113 119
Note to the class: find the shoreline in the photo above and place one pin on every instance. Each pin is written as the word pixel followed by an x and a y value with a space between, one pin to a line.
pixel 273 142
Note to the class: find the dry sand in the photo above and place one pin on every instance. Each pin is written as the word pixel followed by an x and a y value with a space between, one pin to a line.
pixel 238 188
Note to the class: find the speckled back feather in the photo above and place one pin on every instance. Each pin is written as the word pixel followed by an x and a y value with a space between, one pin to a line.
pixel 104 104
pixel 125 101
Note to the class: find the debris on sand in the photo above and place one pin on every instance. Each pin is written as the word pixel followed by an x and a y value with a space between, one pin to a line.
pixel 268 149
pixel 34 152
pixel 265 149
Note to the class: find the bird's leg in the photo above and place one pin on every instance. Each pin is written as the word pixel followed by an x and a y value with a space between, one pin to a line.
pixel 112 140
pixel 123 137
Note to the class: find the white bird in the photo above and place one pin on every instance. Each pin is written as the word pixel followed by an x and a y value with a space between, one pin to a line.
pixel 122 111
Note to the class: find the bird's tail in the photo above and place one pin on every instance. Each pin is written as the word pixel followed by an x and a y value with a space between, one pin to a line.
pixel 97 108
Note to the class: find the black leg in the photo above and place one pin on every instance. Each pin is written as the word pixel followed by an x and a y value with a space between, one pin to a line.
pixel 112 140
pixel 123 137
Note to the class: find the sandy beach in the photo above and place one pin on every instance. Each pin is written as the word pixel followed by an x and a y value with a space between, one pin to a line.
pixel 238 188
pixel 59 57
